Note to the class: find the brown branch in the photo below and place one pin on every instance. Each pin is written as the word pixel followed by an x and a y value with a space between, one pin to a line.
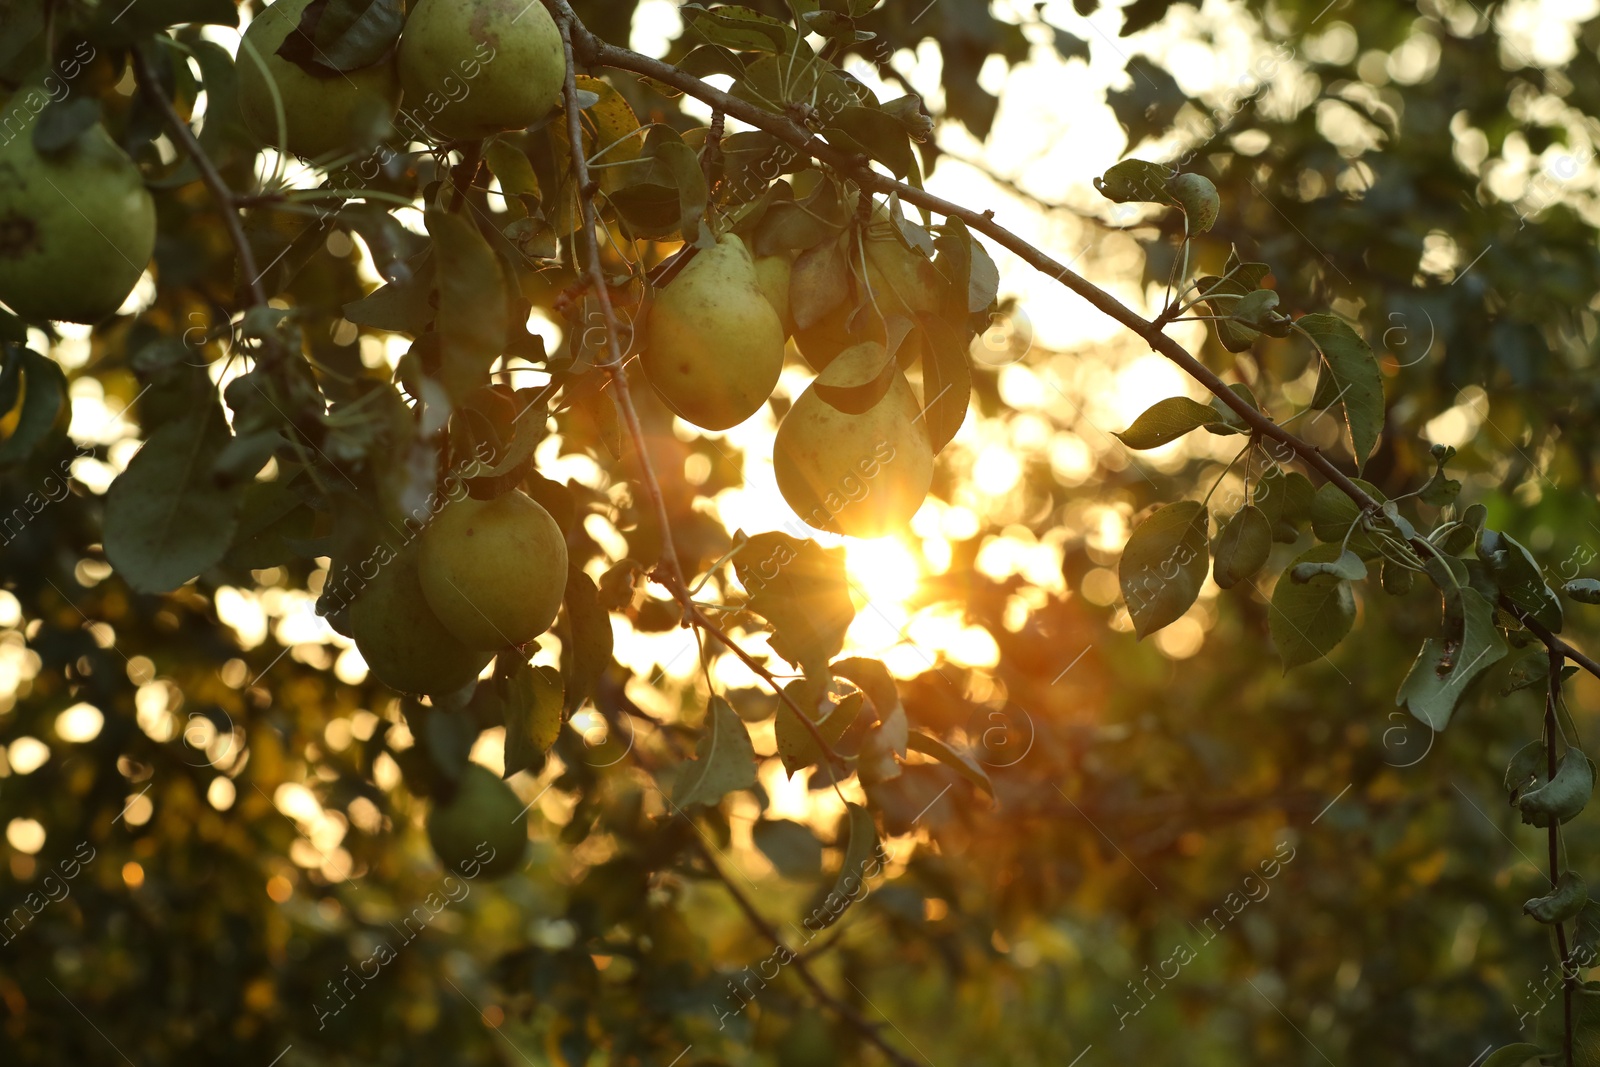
pixel 150 85
pixel 1552 697
pixel 845 1011
pixel 858 168
pixel 567 22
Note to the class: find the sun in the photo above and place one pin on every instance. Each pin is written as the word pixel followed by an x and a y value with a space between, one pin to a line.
pixel 885 571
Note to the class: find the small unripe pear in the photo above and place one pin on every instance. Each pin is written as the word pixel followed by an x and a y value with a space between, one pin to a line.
pixel 481 831
pixel 863 474
pixel 494 571
pixel 471 68
pixel 322 116
pixel 405 645
pixel 714 344
pixel 76 228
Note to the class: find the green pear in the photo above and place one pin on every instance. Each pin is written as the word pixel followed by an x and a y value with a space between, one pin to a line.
pixel 494 571
pixel 901 282
pixel 481 831
pixel 404 643
pixel 773 274
pixel 76 228
pixel 714 345
pixel 864 474
pixel 322 116
pixel 472 68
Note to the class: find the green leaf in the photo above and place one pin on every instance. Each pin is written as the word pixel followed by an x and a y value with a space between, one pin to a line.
pixel 689 179
pixel 1352 370
pixel 1563 902
pixel 797 748
pixel 1222 296
pixel 1333 514
pixel 873 679
pixel 1135 181
pixel 959 762
pixel 861 862
pixel 531 700
pixel 1347 565
pixel 1518 577
pixel 1242 547
pixel 1583 590
pixel 472 319
pixel 1165 421
pixel 1164 565
pixel 800 588
pixel 62 122
pixel 1308 620
pixel 884 138
pixel 1447 664
pixel 791 847
pixel 352 34
pixel 946 380
pixel 725 760
pixel 44 404
pixel 588 652
pixel 166 520
pixel 1525 768
pixel 1518 1055
pixel 740 28
pixel 1564 796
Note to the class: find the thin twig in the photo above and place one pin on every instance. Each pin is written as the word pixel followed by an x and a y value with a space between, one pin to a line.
pixel 150 85
pixel 462 173
pixel 845 1011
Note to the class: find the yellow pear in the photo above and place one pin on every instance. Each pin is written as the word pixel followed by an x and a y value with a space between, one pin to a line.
pixel 494 571
pixel 772 274
pixel 472 68
pixel 404 643
pixel 322 116
pixel 76 228
pixel 714 345
pixel 481 831
pixel 863 474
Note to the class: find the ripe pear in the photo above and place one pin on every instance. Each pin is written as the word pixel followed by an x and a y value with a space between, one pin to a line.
pixel 773 274
pixel 471 68
pixel 863 474
pixel 714 345
pixel 76 228
pixel 482 831
pixel 322 116
pixel 404 643
pixel 902 283
pixel 494 571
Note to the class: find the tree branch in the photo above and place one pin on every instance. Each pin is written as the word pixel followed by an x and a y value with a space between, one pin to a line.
pixel 150 85
pixel 847 1012
pixel 858 168
pixel 1552 697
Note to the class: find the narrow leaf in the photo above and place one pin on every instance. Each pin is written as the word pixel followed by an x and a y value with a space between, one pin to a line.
pixel 1164 564
pixel 1165 421
pixel 1353 372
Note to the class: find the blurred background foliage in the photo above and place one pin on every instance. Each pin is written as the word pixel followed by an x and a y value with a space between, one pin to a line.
pixel 1426 170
